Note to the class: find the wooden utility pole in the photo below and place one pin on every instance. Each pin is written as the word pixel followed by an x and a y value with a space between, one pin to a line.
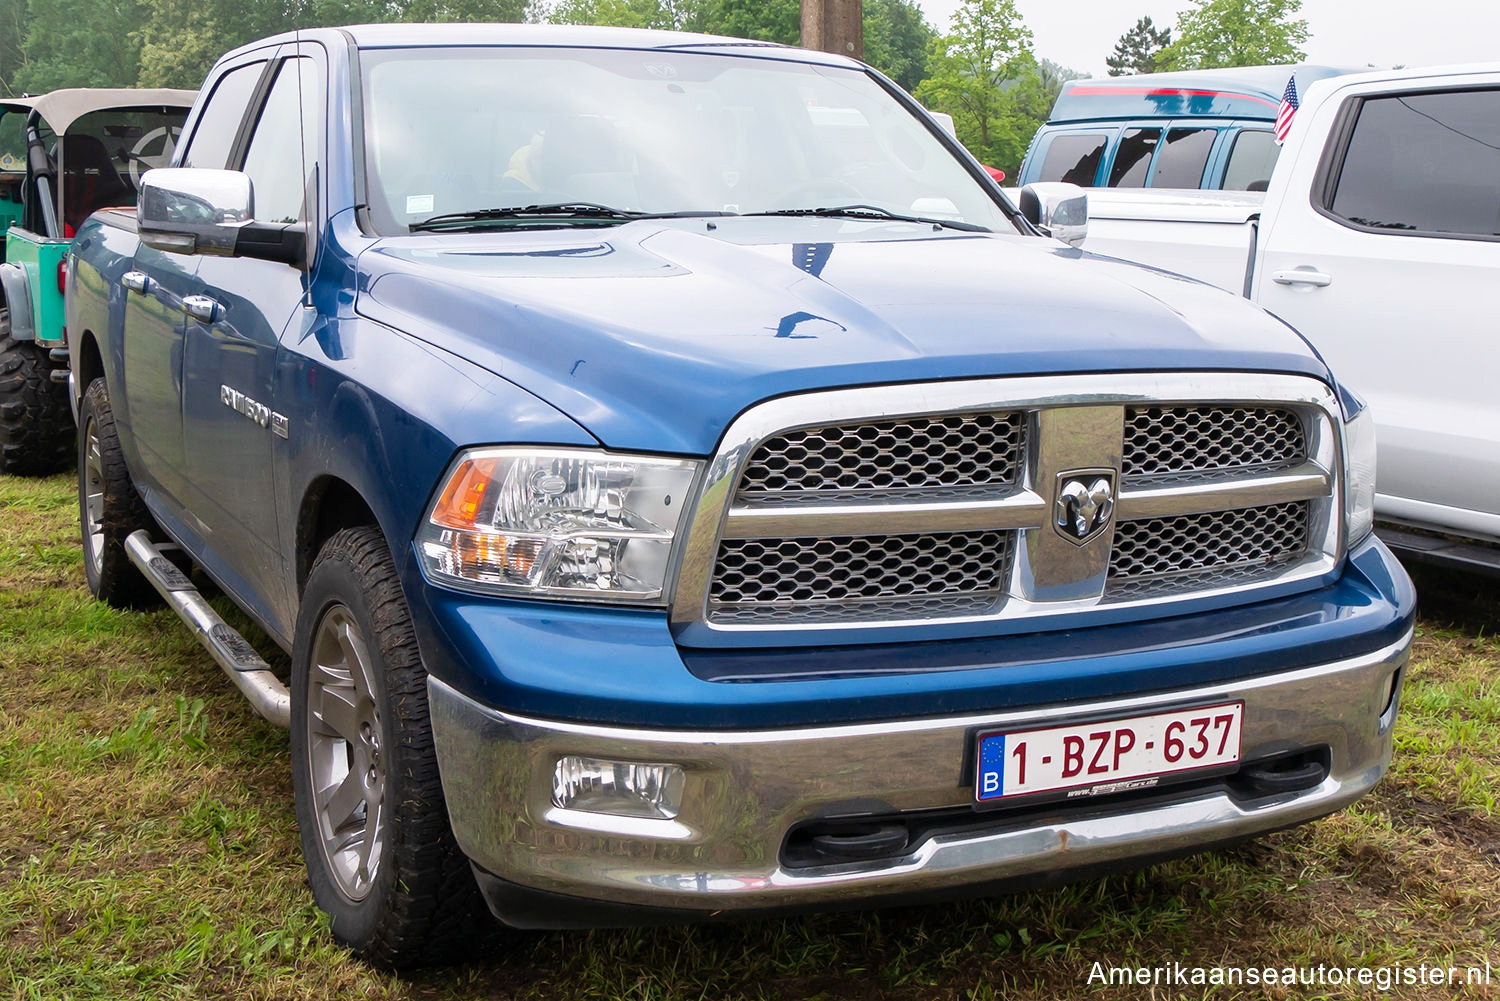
pixel 834 26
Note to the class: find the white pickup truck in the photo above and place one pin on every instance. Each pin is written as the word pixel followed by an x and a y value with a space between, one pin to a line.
pixel 1379 239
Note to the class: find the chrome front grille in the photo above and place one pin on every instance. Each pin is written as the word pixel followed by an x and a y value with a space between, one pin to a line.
pixel 1256 538
pixel 1177 440
pixel 911 454
pixel 844 509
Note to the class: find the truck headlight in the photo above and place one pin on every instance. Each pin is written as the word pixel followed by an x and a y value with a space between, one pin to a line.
pixel 566 523
pixel 1359 475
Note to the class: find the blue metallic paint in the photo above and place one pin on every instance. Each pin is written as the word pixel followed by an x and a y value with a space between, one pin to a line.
pixel 623 667
pixel 657 336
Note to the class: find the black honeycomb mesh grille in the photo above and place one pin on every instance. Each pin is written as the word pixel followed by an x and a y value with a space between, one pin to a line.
pixel 897 575
pixel 1214 543
pixel 1176 440
pixel 910 453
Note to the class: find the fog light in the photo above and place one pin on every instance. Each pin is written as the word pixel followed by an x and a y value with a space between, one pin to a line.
pixel 621 788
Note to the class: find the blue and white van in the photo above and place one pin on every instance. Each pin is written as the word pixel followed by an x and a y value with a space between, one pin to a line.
pixel 1188 129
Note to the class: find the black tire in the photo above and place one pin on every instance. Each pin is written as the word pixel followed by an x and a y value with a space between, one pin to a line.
pixel 36 427
pixel 109 508
pixel 420 905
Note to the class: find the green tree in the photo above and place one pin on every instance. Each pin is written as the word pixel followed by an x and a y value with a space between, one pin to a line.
pixel 478 11
pixel 77 43
pixel 1215 33
pixel 975 72
pixel 762 20
pixel 668 14
pixel 1139 49
pixel 13 21
pixel 1050 77
pixel 180 39
pixel 898 40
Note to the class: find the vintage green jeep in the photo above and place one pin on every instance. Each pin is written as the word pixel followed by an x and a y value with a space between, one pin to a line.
pixel 62 155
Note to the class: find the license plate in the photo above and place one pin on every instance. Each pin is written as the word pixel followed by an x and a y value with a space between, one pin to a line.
pixel 1093 759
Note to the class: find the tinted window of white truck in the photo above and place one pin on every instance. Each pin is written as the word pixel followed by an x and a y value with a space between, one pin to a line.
pixel 1424 163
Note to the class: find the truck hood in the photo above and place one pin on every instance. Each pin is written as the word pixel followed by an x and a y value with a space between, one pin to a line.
pixel 654 335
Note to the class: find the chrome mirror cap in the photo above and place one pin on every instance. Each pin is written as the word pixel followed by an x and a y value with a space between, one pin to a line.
pixel 1060 210
pixel 193 210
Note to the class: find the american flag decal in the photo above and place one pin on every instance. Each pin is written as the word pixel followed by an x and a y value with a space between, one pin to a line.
pixel 1288 109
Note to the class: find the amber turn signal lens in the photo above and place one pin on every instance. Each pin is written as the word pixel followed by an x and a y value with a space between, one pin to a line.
pixel 463 497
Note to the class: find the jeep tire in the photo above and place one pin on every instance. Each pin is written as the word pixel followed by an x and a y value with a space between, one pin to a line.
pixel 36 429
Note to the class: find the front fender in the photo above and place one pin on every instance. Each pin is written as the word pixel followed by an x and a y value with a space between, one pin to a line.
pixel 385 413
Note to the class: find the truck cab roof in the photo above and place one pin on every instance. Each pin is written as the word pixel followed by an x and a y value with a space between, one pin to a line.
pixel 407 36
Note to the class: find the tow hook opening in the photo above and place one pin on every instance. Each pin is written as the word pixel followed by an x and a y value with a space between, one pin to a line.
pixel 1392 703
pixel 1291 772
pixel 830 842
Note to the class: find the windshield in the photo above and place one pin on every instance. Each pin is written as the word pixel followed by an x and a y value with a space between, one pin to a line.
pixel 657 132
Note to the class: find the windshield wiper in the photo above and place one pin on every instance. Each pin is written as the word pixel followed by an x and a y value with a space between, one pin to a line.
pixel 872 212
pixel 560 212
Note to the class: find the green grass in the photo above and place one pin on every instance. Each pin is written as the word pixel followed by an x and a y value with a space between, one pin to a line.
pixel 148 848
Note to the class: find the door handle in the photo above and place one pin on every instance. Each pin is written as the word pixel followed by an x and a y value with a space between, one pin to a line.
pixel 201 307
pixel 136 282
pixel 1301 276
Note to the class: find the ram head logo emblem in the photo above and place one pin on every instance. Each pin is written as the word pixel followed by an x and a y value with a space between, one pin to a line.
pixel 1085 501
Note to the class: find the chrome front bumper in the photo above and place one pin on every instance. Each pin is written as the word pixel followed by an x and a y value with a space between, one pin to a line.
pixel 745 791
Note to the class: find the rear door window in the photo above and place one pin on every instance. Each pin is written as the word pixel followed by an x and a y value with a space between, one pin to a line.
pixel 1074 158
pixel 1423 163
pixel 1182 158
pixel 1133 158
pixel 1250 161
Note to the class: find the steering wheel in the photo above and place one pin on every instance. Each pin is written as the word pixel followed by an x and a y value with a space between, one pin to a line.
pixel 137 160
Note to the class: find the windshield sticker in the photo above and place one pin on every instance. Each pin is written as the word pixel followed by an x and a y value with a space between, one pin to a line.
pixel 417 204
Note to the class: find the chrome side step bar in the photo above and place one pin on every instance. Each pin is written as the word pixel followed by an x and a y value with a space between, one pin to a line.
pixel 249 672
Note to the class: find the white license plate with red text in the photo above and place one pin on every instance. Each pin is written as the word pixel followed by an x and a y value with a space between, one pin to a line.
pixel 1107 756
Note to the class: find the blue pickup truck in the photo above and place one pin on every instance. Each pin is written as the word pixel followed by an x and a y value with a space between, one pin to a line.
pixel 686 486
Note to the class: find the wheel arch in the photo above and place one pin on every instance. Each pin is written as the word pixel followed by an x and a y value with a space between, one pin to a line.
pixel 328 505
pixel 87 361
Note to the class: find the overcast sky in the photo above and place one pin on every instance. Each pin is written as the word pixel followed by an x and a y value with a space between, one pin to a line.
pixel 1080 33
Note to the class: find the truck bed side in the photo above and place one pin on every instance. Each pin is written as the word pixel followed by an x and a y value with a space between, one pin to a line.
pixel 1207 235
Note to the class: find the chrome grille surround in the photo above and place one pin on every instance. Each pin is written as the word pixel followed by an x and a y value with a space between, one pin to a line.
pixel 1068 423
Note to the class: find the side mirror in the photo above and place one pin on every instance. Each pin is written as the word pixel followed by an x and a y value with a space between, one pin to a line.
pixel 190 210
pixel 1060 210
pixel 195 210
